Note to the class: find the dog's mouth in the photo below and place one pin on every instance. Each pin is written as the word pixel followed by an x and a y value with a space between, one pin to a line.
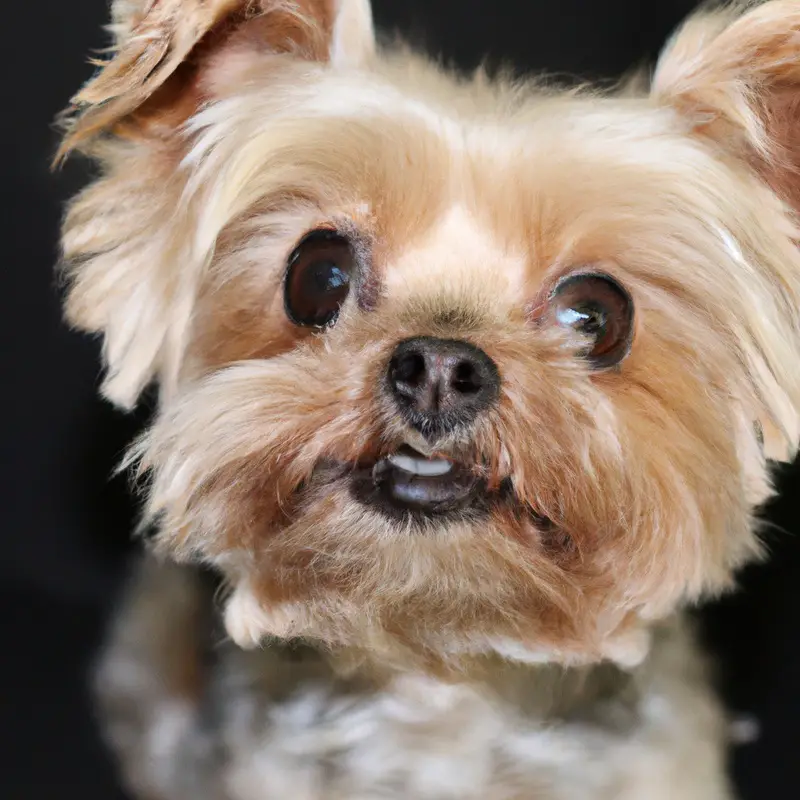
pixel 409 483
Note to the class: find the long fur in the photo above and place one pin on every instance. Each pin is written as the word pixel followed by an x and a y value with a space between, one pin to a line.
pixel 226 131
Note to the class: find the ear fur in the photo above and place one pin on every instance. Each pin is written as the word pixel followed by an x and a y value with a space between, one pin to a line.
pixel 732 72
pixel 127 248
pixel 735 72
pixel 161 44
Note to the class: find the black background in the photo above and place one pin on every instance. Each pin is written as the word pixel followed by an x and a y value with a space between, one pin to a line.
pixel 65 524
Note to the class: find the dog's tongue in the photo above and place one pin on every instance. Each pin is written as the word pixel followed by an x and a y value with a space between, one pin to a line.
pixel 412 480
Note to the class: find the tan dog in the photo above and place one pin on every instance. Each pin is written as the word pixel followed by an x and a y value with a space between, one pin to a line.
pixel 467 385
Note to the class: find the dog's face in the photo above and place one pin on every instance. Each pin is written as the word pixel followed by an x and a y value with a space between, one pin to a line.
pixel 446 367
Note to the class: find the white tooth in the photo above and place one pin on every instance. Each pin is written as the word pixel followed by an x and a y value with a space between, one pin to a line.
pixel 427 468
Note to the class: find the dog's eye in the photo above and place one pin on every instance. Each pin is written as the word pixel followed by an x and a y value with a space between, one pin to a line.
pixel 318 279
pixel 597 307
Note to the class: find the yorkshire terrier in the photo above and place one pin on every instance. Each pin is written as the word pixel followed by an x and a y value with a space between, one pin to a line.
pixel 468 389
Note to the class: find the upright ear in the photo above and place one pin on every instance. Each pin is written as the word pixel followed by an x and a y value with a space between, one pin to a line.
pixel 127 239
pixel 733 74
pixel 161 47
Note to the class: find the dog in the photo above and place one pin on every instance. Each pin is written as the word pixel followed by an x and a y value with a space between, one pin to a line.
pixel 468 388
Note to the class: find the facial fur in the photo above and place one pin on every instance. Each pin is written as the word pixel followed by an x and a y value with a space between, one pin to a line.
pixel 608 496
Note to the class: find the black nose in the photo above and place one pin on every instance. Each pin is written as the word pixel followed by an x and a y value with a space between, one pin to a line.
pixel 441 384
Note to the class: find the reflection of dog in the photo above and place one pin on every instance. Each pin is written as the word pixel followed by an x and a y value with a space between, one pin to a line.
pixel 466 385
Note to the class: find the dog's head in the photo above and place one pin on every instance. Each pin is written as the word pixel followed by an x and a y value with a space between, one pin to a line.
pixel 446 366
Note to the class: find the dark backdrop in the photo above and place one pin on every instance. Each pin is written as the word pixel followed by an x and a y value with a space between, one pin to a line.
pixel 65 524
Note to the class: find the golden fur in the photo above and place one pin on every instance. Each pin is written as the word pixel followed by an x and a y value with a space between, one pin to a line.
pixel 227 130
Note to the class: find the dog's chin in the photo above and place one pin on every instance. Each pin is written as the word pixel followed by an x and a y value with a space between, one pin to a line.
pixel 420 560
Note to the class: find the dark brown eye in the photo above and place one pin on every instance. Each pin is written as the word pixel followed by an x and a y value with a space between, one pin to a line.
pixel 318 279
pixel 597 307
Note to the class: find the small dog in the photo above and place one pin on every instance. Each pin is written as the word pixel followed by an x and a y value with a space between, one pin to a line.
pixel 467 387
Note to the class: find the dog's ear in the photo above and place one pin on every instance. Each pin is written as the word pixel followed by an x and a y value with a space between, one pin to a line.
pixel 736 74
pixel 733 75
pixel 162 46
pixel 129 250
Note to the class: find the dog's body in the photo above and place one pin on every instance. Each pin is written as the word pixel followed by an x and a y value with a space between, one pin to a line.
pixel 193 716
pixel 470 386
